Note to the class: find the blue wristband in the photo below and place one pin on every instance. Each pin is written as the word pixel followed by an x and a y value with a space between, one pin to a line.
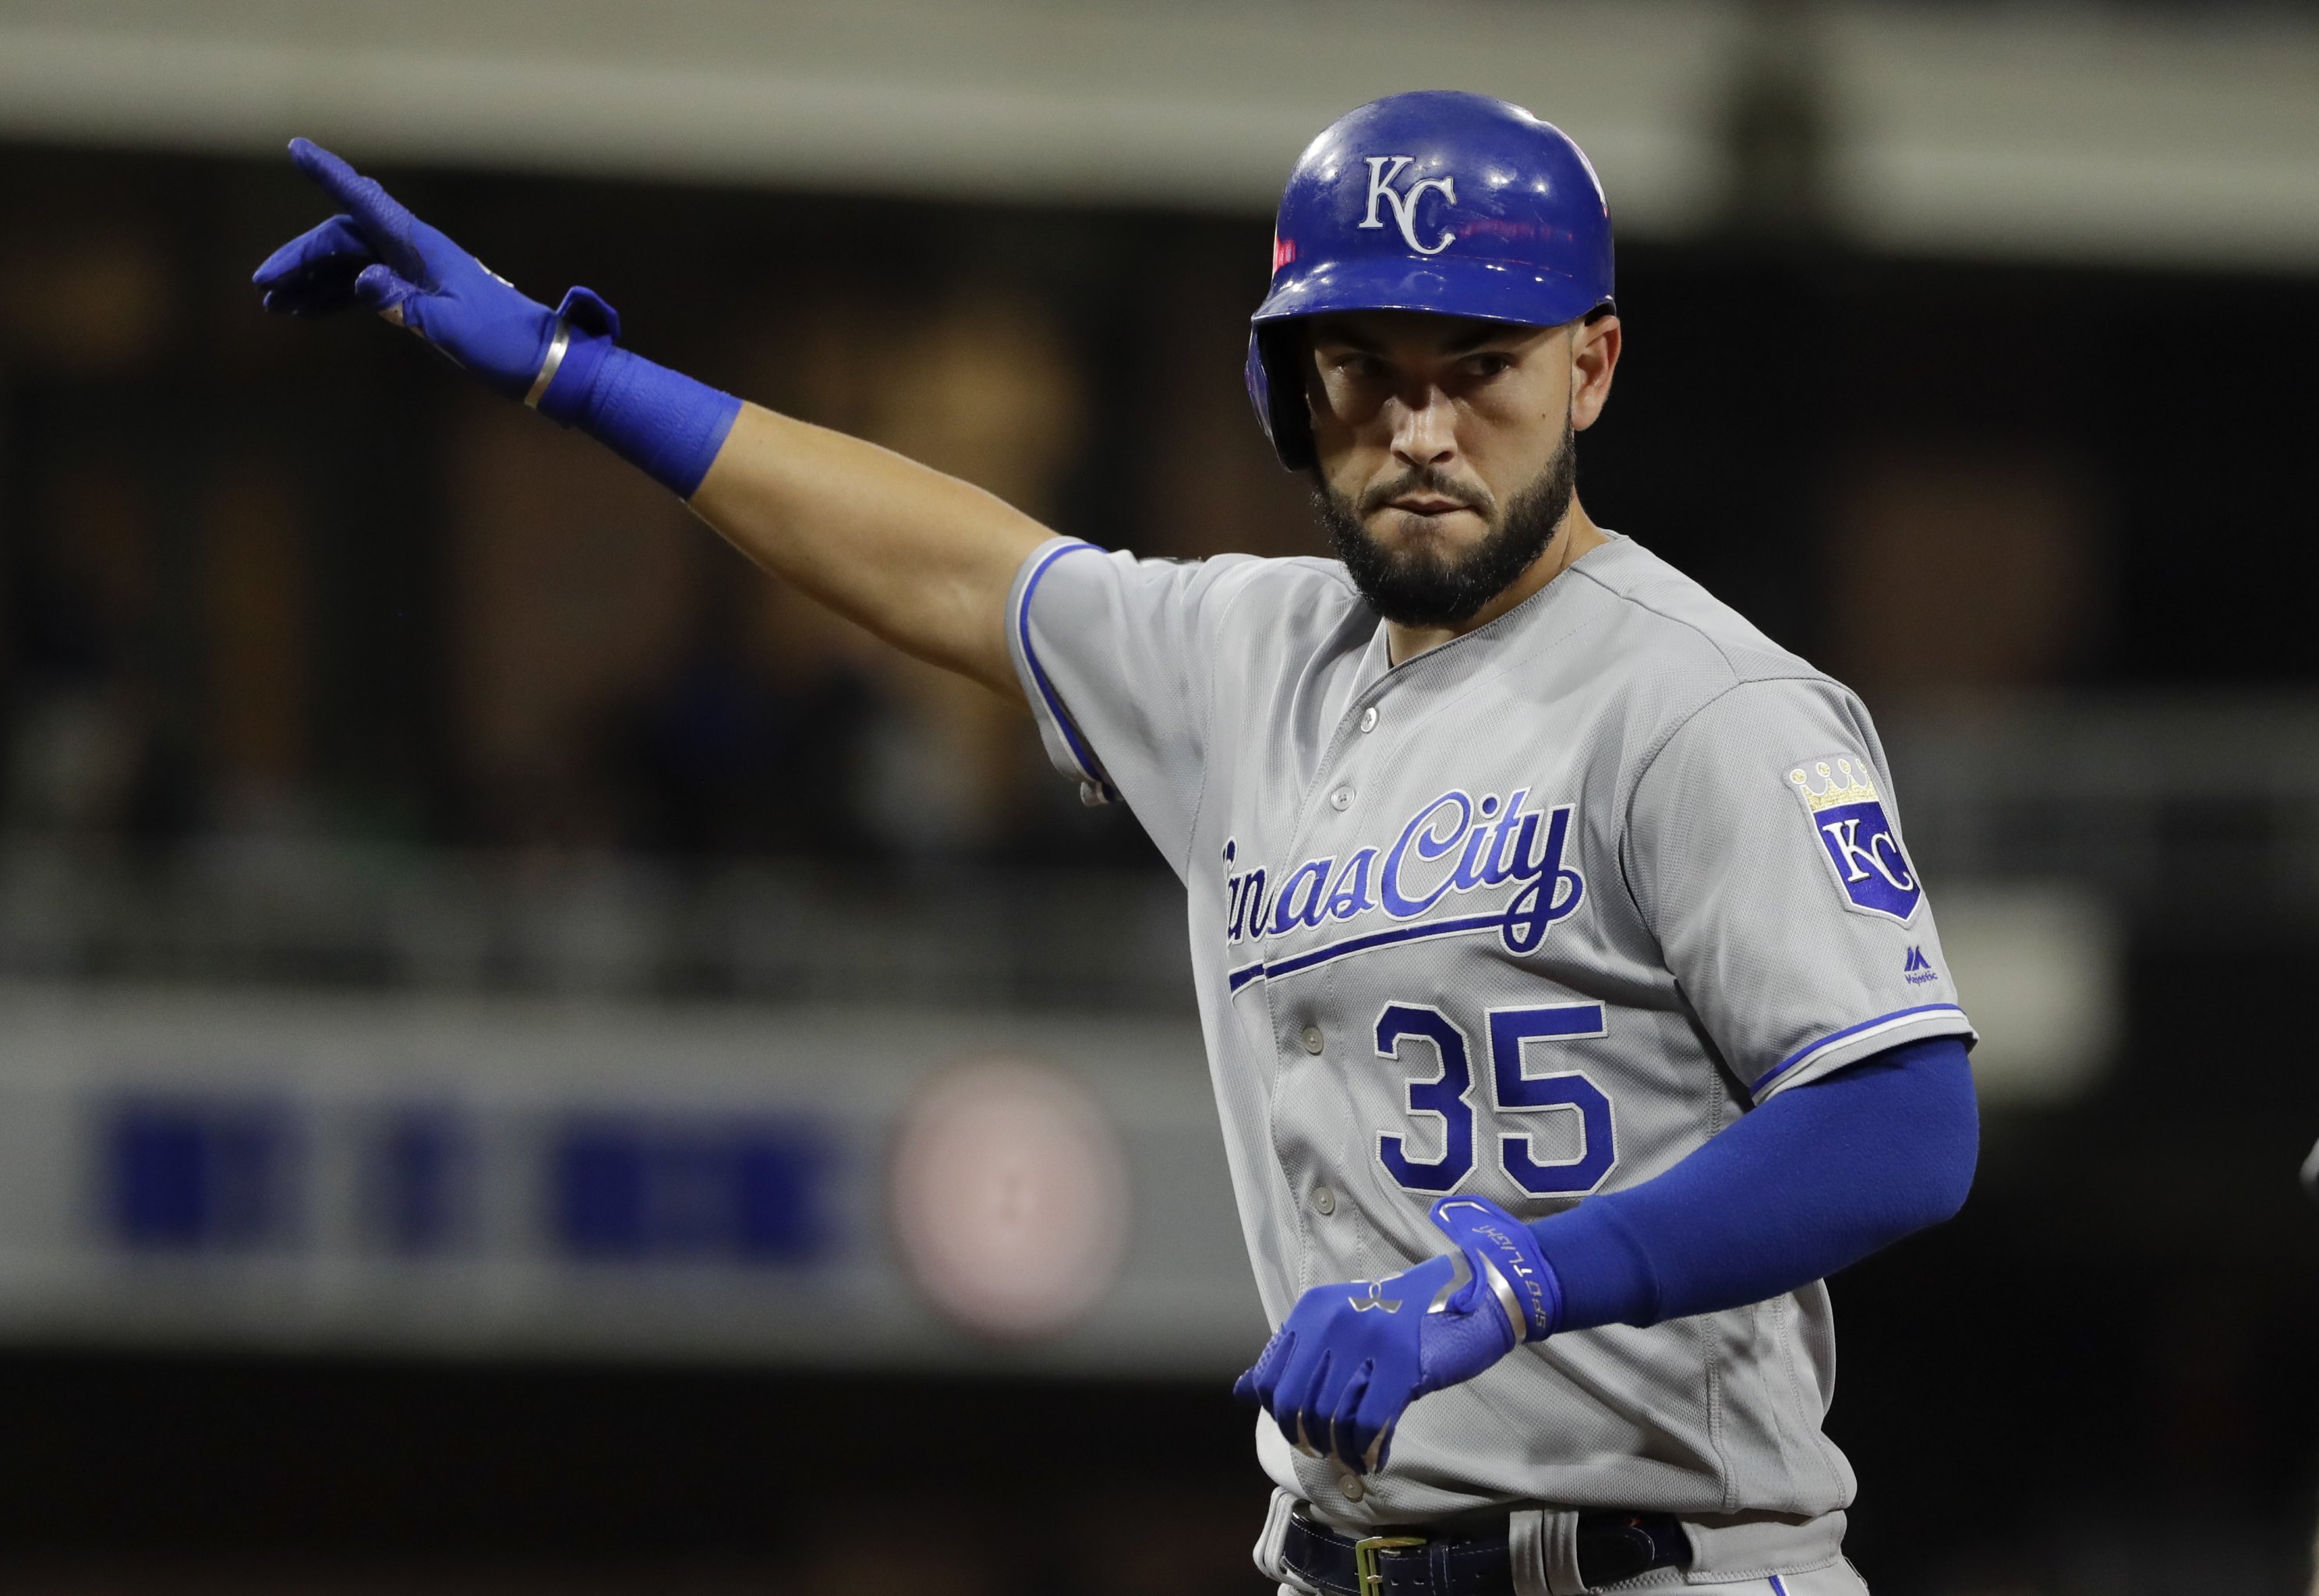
pixel 660 422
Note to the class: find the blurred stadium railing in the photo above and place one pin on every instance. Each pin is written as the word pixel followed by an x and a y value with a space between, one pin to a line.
pixel 551 1178
pixel 466 986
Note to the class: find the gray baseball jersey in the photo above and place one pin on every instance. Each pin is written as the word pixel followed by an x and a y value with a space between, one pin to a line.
pixel 1530 915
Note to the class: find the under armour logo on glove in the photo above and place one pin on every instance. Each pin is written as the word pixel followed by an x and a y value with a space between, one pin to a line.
pixel 1346 1364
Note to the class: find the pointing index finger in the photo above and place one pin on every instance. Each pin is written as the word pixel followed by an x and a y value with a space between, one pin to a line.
pixel 383 220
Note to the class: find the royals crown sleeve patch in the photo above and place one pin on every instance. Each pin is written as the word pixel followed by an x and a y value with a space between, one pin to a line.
pixel 1841 801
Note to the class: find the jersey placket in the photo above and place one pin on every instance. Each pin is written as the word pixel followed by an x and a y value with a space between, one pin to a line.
pixel 1312 1029
pixel 1309 1030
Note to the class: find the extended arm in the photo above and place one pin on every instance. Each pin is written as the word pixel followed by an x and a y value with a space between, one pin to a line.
pixel 1815 1179
pixel 923 560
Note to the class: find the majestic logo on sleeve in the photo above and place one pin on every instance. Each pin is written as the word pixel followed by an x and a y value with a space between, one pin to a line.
pixel 1403 202
pixel 1858 838
pixel 1453 848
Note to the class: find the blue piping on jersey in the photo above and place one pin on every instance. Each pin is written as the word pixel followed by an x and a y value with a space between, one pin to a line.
pixel 1805 1055
pixel 1260 969
pixel 1779 1586
pixel 1080 753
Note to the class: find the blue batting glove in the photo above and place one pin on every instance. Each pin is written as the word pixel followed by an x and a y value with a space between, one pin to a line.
pixel 1351 1358
pixel 565 361
pixel 378 255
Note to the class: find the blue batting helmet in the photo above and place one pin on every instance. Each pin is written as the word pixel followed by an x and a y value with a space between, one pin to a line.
pixel 1436 200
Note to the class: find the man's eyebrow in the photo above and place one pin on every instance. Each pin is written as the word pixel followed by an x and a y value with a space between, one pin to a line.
pixel 1347 336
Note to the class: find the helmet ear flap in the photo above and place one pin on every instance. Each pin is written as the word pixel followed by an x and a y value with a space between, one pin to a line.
pixel 1276 388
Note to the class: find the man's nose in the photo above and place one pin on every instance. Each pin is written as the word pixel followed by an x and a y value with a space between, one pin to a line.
pixel 1422 430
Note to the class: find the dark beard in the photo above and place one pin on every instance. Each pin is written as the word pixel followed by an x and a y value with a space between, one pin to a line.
pixel 1421 588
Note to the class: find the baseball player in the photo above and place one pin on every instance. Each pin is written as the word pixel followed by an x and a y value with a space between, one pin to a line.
pixel 1572 1004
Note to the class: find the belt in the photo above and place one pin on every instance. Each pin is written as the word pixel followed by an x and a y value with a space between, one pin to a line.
pixel 1612 1546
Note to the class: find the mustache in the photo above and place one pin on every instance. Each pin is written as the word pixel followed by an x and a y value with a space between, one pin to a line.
pixel 1428 479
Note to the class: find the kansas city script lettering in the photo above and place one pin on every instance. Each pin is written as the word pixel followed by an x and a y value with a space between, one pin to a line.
pixel 1454 846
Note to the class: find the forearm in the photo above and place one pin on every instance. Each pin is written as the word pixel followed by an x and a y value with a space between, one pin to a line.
pixel 921 559
pixel 1816 1179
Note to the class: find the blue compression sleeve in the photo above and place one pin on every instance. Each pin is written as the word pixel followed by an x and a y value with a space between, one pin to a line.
pixel 659 421
pixel 1816 1178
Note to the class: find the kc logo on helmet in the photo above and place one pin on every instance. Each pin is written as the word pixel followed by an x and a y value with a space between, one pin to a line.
pixel 1403 202
pixel 1857 836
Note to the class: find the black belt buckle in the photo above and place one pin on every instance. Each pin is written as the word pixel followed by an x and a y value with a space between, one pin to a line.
pixel 1365 1559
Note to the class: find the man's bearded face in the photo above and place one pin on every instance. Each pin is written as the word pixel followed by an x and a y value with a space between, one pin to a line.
pixel 1408 571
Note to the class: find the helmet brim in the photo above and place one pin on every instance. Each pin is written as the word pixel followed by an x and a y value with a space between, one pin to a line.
pixel 1488 290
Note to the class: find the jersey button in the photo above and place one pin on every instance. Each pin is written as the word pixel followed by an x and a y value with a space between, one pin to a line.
pixel 1324 1201
pixel 1342 799
pixel 1313 1039
pixel 1369 719
pixel 1350 1484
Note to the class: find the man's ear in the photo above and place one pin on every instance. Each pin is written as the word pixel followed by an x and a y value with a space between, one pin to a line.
pixel 1595 347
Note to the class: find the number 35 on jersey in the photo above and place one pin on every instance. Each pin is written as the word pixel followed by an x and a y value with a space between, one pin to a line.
pixel 1407 1031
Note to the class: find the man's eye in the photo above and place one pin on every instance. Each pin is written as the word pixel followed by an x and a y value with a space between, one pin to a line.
pixel 1490 365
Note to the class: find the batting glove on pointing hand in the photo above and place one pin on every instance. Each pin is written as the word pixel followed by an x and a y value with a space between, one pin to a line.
pixel 379 256
pixel 563 361
pixel 1351 1358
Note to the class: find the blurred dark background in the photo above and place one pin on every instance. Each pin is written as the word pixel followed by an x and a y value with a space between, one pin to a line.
pixel 325 678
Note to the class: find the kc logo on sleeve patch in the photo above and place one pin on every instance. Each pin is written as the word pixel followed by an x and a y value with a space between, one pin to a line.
pixel 1839 797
